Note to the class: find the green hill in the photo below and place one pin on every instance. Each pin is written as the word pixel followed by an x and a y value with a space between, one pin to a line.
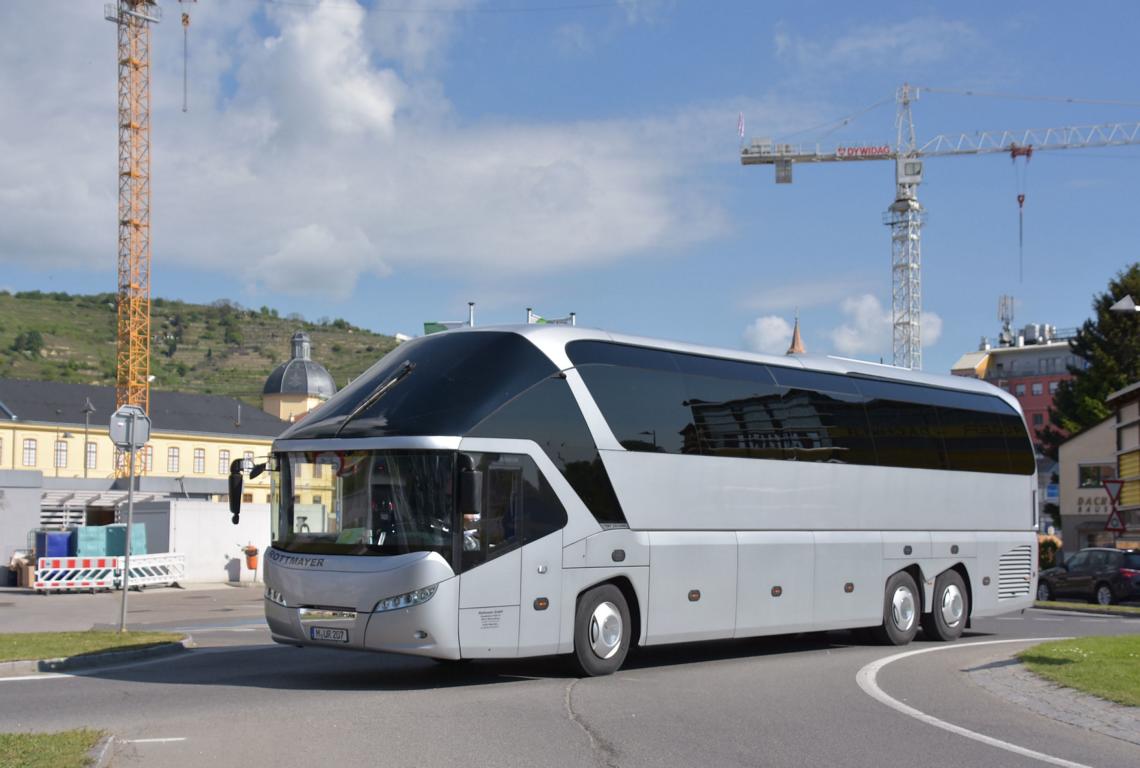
pixel 221 348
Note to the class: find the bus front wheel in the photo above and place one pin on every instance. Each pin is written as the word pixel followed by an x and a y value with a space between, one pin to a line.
pixel 901 611
pixel 601 631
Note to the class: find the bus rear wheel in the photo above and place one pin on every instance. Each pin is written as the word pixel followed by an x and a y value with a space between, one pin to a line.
pixel 601 631
pixel 950 608
pixel 900 611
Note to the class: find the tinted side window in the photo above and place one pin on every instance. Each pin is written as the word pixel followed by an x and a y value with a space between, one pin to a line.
pixel 798 378
pixel 906 431
pixel 519 506
pixel 548 414
pixel 728 404
pixel 1022 459
pixel 1079 560
pixel 609 353
pixel 734 417
pixel 975 440
pixel 1132 560
pixel 646 409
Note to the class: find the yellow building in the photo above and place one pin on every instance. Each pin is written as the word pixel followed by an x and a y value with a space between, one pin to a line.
pixel 61 431
pixel 1126 404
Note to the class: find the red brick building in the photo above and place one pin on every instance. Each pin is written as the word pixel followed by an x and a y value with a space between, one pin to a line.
pixel 1029 366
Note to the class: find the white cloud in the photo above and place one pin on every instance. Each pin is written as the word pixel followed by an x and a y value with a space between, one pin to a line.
pixel 910 43
pixel 415 34
pixel 868 328
pixel 771 334
pixel 804 294
pixel 305 163
pixel 931 329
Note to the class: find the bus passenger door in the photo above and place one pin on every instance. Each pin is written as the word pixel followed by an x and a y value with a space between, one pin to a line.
pixel 489 584
pixel 541 607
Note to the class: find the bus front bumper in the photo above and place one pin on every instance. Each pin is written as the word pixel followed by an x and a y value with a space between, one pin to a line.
pixel 342 609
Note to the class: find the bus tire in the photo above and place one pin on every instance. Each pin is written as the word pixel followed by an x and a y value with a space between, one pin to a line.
pixel 949 609
pixel 901 611
pixel 601 631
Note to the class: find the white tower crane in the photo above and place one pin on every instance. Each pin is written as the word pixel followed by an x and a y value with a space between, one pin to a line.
pixel 905 214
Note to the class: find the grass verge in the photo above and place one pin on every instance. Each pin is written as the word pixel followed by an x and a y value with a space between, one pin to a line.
pixel 1108 667
pixel 1059 605
pixel 20 646
pixel 67 749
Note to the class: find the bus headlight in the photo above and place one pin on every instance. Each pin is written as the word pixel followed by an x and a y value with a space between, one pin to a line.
pixel 273 596
pixel 406 600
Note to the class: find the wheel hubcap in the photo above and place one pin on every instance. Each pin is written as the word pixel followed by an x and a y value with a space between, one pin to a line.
pixel 1043 592
pixel 952 605
pixel 605 630
pixel 902 609
pixel 1104 596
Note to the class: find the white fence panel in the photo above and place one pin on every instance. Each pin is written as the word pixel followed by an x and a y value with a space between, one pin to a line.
pixel 61 574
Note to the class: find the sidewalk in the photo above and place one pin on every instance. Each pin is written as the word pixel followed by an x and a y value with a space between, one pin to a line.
pixel 24 611
pixel 1012 681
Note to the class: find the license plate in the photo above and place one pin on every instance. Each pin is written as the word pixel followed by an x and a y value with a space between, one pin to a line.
pixel 327 633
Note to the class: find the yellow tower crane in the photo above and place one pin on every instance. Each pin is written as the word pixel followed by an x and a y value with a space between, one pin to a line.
pixel 132 369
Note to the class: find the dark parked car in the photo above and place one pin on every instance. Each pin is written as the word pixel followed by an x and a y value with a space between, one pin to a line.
pixel 1098 575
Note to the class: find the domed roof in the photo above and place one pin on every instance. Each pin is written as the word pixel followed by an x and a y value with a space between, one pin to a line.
pixel 300 376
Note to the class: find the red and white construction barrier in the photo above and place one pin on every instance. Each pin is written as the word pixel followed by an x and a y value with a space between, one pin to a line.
pixel 57 574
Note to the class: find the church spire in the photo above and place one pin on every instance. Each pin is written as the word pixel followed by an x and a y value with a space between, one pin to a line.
pixel 797 346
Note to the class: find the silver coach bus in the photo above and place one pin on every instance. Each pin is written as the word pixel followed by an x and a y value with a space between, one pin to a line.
pixel 521 491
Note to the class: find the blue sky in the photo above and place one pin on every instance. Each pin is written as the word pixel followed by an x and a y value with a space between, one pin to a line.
pixel 387 162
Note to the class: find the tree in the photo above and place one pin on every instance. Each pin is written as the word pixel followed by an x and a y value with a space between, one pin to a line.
pixel 1110 345
pixel 32 341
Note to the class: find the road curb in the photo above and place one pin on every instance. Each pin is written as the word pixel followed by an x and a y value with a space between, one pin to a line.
pixel 101 754
pixel 1086 609
pixel 93 661
pixel 1014 682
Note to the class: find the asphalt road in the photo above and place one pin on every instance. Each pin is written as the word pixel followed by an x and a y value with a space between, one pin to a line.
pixel 785 701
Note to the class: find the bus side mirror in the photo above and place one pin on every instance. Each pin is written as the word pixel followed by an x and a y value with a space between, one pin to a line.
pixel 470 492
pixel 235 489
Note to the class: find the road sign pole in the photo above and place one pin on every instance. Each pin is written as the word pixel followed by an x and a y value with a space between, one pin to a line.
pixel 129 431
pixel 130 522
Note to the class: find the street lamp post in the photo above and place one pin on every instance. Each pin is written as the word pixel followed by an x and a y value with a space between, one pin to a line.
pixel 1126 305
pixel 88 409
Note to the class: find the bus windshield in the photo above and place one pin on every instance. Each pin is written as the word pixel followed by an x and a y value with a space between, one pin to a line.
pixel 365 502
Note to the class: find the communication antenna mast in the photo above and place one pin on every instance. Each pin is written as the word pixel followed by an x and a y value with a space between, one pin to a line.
pixel 132 359
pixel 1005 315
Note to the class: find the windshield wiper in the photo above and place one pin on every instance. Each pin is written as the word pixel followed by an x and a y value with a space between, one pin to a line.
pixel 377 393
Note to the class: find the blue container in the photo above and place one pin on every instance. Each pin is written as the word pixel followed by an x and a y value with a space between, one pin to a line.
pixel 53 543
pixel 117 540
pixel 89 541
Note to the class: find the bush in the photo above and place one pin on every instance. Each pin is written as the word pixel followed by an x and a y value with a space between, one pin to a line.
pixel 31 341
pixel 1047 547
